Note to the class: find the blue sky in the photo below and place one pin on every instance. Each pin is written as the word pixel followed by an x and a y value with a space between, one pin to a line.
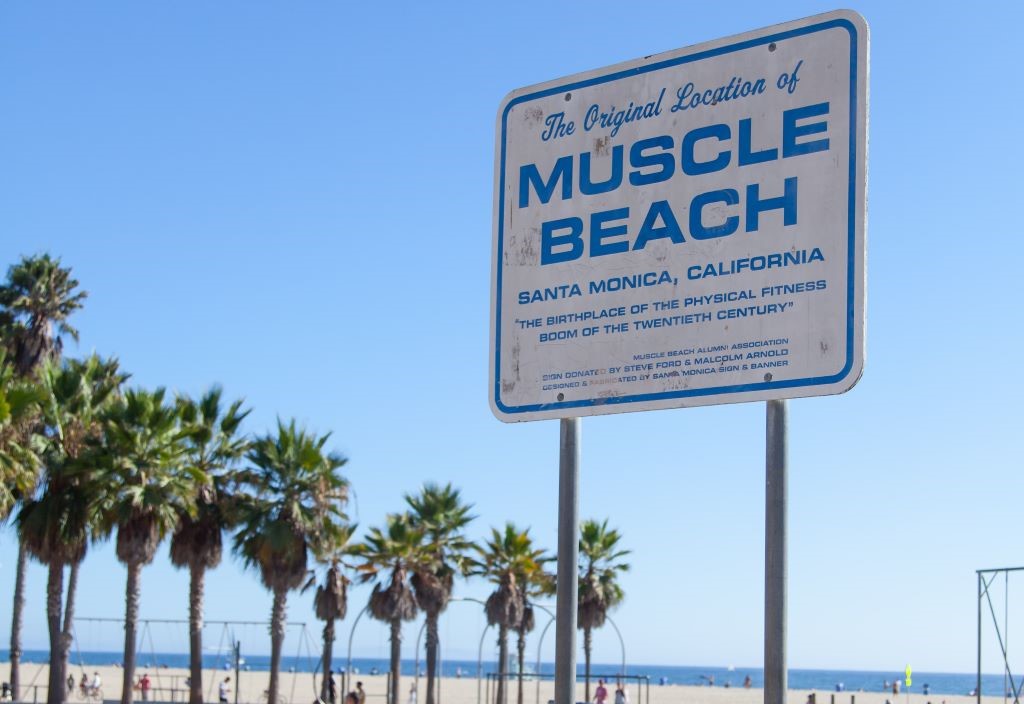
pixel 294 200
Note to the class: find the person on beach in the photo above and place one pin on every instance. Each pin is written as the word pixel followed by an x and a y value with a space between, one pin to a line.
pixel 895 687
pixel 621 695
pixel 747 684
pixel 144 686
pixel 332 691
pixel 224 690
pixel 95 683
pixel 351 698
pixel 71 684
pixel 360 693
pixel 412 693
pixel 601 693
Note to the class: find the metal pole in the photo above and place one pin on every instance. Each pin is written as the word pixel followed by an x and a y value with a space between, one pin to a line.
pixel 568 557
pixel 238 666
pixel 776 427
pixel 622 643
pixel 977 688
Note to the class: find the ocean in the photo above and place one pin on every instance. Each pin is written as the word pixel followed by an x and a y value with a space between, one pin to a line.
pixel 818 680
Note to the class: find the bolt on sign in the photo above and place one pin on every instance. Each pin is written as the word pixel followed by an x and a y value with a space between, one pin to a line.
pixel 684 229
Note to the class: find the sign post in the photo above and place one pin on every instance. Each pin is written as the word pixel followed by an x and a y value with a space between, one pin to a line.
pixel 775 547
pixel 568 557
pixel 684 229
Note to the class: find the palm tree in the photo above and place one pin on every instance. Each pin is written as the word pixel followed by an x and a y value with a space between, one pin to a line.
pixel 441 515
pixel 599 590
pixel 55 525
pixel 38 297
pixel 330 602
pixel 144 489
pixel 19 466
pixel 508 560
pixel 36 301
pixel 214 446
pixel 295 498
pixel 535 583
pixel 389 556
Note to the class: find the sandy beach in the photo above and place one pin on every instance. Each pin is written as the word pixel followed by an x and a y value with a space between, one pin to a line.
pixel 168 685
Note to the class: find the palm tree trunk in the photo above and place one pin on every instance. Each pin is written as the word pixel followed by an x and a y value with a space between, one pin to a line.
pixel 499 696
pixel 432 642
pixel 277 616
pixel 54 595
pixel 19 607
pixel 325 687
pixel 131 617
pixel 396 659
pixel 69 614
pixel 521 652
pixel 587 643
pixel 197 577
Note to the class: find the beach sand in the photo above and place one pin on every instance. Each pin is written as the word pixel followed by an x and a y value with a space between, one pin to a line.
pixel 168 685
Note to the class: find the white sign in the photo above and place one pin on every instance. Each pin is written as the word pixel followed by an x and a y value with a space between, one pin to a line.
pixel 685 229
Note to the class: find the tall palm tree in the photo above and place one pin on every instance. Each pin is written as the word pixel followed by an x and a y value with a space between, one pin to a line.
pixel 509 561
pixel 213 445
pixel 55 525
pixel 295 497
pixel 330 603
pixel 35 303
pixel 599 591
pixel 19 467
pixel 145 486
pixel 442 517
pixel 534 583
pixel 389 556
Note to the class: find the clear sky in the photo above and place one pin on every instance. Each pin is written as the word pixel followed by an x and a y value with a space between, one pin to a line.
pixel 294 200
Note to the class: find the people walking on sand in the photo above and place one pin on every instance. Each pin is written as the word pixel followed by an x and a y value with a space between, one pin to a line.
pixel 144 686
pixel 95 683
pixel 70 682
pixel 332 690
pixel 601 693
pixel 621 695
pixel 351 698
pixel 360 693
pixel 747 683
pixel 224 690
pixel 412 693
pixel 895 687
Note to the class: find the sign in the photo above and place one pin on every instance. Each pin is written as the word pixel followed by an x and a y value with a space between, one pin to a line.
pixel 684 229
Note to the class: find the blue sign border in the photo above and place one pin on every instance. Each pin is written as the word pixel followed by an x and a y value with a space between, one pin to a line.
pixel 852 227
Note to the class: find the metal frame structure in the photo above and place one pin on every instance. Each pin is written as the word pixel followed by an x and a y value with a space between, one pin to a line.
pixel 347 673
pixel 986 578
pixel 144 624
